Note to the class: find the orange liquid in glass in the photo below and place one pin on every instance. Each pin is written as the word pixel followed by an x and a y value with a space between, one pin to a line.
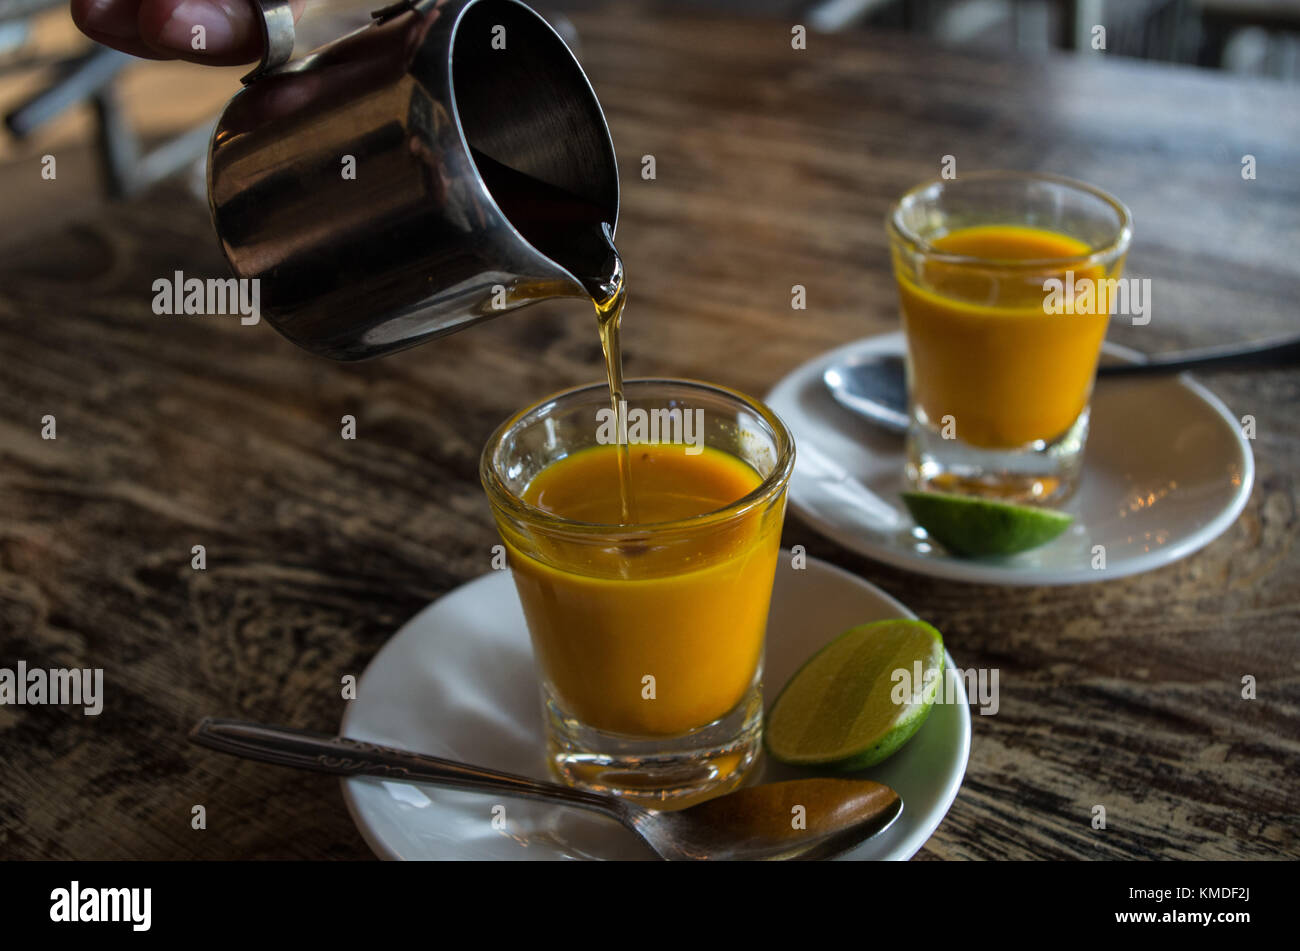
pixel 687 608
pixel 984 351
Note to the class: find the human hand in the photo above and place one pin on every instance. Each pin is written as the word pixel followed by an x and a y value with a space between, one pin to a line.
pixel 164 29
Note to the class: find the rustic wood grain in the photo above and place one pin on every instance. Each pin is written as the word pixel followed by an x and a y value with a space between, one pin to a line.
pixel 774 167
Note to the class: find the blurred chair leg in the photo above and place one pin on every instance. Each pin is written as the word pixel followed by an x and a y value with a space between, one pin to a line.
pixel 118 146
pixel 80 78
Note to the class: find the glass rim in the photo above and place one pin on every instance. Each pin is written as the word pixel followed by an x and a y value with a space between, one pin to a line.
pixel 1117 246
pixel 502 498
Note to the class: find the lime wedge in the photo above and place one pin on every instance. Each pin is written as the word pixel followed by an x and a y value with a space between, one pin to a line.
pixel 973 526
pixel 858 699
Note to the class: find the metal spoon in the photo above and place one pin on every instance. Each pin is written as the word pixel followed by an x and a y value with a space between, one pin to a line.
pixel 757 822
pixel 874 385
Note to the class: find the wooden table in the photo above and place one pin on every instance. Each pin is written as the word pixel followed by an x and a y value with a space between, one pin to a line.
pixel 774 167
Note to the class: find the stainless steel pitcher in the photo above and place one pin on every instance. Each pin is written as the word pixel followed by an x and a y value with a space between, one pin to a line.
pixel 414 245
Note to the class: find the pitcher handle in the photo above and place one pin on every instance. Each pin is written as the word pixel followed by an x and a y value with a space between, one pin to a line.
pixel 276 21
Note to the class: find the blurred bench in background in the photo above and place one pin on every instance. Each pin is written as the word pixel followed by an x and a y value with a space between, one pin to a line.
pixel 107 116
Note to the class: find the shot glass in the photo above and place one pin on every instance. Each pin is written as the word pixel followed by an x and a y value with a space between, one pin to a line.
pixel 648 637
pixel 1002 348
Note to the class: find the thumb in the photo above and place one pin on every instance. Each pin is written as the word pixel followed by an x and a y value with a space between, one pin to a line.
pixel 216 32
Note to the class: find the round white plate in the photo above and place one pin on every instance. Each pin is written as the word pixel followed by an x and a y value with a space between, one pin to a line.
pixel 1165 472
pixel 457 681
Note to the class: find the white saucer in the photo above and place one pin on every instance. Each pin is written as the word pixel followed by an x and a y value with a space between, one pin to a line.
pixel 1165 472
pixel 457 681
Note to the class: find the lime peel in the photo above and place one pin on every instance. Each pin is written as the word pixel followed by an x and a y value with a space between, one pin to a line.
pixel 855 703
pixel 973 527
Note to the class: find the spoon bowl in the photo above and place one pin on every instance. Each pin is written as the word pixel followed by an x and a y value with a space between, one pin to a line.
pixel 795 819
pixel 873 385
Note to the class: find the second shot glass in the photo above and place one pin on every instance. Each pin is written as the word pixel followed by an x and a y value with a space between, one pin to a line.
pixel 1006 283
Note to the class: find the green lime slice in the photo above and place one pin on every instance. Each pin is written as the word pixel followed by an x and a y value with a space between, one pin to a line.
pixel 971 526
pixel 858 699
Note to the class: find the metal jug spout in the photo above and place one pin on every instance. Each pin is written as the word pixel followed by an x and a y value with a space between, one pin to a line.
pixel 371 187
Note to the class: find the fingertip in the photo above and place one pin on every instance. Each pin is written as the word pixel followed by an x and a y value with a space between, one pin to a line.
pixel 106 18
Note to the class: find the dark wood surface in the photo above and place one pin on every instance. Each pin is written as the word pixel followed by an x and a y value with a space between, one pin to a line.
pixel 775 167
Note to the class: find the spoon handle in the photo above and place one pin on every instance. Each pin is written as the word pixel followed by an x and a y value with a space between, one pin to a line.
pixel 1263 354
pixel 321 753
